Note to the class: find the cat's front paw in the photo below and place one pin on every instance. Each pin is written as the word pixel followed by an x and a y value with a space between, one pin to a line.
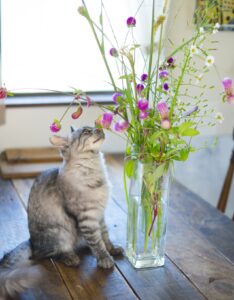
pixel 106 262
pixel 116 251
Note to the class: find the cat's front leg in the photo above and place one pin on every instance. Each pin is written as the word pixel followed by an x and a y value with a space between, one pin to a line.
pixel 113 249
pixel 91 231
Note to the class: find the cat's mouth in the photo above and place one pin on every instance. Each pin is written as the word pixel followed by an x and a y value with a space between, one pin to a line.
pixel 98 139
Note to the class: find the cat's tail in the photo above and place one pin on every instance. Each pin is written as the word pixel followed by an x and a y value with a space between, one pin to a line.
pixel 17 272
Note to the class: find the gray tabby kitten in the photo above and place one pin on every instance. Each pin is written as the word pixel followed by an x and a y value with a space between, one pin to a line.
pixel 66 205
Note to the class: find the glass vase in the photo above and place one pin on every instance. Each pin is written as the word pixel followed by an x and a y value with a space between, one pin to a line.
pixel 147 213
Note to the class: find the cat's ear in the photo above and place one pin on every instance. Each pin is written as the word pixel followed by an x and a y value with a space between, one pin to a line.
pixel 72 128
pixel 59 141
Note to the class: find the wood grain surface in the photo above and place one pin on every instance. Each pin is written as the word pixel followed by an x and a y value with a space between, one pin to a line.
pixel 200 249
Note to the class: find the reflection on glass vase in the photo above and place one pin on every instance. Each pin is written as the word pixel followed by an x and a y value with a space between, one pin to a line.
pixel 147 213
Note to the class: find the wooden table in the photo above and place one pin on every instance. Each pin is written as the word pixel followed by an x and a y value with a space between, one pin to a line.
pixel 199 251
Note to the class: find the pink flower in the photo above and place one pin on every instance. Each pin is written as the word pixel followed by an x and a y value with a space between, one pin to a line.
pixel 106 120
pixel 89 101
pixel 140 87
pixel 116 97
pixel 227 84
pixel 131 22
pixel 165 124
pixel 163 110
pixel 3 93
pixel 143 104
pixel 77 113
pixel 143 115
pixel 55 126
pixel 121 126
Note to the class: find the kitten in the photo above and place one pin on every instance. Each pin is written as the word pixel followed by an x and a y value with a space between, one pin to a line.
pixel 66 205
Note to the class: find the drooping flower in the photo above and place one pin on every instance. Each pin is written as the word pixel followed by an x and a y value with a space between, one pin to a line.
pixel 3 93
pixel 163 110
pixel 55 126
pixel 143 104
pixel 227 84
pixel 193 50
pixel 191 111
pixel 165 124
pixel 140 87
pixel 144 77
pixel 77 113
pixel 89 101
pixel 116 97
pixel 143 115
pixel 210 61
pixel 121 126
pixel 219 117
pixel 114 52
pixel 131 22
pixel 106 120
pixel 163 74
pixel 166 86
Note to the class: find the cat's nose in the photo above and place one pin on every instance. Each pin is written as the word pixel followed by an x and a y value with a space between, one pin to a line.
pixel 98 130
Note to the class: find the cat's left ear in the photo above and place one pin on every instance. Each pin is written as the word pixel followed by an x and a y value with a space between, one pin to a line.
pixel 59 141
pixel 72 128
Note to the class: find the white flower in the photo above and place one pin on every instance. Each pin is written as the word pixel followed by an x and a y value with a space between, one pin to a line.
pixel 193 50
pixel 219 117
pixel 210 61
pixel 216 28
pixel 201 30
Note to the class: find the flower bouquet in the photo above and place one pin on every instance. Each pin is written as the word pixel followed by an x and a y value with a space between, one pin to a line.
pixel 158 114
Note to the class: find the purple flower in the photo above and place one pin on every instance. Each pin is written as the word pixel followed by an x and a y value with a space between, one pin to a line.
pixel 165 124
pixel 166 86
pixel 191 111
pixel 121 126
pixel 163 110
pixel 170 61
pixel 55 126
pixel 144 77
pixel 106 120
pixel 163 74
pixel 143 104
pixel 143 115
pixel 117 96
pixel 140 87
pixel 114 52
pixel 131 22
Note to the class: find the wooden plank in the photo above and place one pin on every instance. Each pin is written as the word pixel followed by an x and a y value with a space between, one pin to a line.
pixel 87 281
pixel 24 170
pixel 190 250
pixel 215 226
pixel 32 155
pixel 13 231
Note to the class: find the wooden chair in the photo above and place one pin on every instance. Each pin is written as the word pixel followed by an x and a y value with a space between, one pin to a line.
pixel 227 184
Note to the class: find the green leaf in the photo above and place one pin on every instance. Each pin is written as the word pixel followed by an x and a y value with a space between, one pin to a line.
pixel 159 171
pixel 130 167
pixel 190 132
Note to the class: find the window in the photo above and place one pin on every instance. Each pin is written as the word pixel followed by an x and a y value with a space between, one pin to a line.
pixel 46 44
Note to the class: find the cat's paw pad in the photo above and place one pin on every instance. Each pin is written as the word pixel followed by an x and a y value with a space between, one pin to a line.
pixel 105 262
pixel 117 251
